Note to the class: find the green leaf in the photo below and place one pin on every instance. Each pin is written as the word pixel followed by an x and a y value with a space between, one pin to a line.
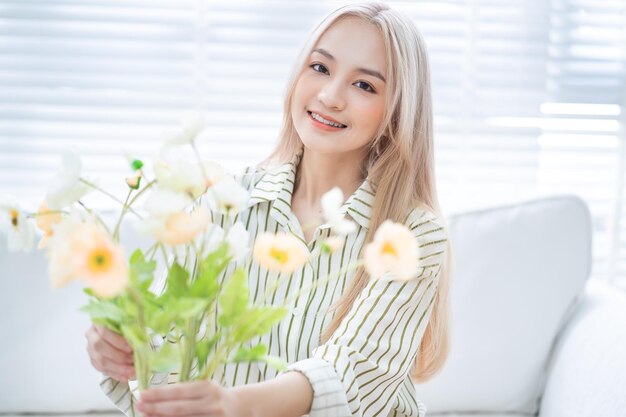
pixel 160 322
pixel 253 354
pixel 128 307
pixel 206 283
pixel 234 298
pixel 141 272
pixel 257 321
pixel 115 327
pixel 176 284
pixel 275 362
pixel 166 359
pixel 258 353
pixel 104 309
pixel 89 292
pixel 135 335
pixel 203 347
pixel 187 307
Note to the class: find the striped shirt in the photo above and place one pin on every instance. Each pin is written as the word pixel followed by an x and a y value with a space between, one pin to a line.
pixel 363 370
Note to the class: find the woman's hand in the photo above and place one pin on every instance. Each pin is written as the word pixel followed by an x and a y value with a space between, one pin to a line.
pixel 110 353
pixel 197 398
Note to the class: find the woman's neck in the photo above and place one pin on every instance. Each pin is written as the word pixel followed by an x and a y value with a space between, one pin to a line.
pixel 318 173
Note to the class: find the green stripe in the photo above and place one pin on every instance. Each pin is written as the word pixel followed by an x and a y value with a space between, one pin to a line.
pixel 272 302
pixel 308 303
pixel 402 308
pixel 396 389
pixel 434 242
pixel 430 231
pixel 359 213
pixel 392 337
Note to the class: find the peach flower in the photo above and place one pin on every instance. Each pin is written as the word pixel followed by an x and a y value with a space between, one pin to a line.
pixel 44 220
pixel 282 252
pixel 393 250
pixel 83 251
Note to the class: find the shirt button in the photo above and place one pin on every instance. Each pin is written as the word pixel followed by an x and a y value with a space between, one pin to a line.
pixel 297 311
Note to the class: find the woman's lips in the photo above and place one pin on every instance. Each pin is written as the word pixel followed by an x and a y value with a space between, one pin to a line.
pixel 323 126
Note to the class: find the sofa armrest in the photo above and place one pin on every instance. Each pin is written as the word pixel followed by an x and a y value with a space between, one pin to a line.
pixel 586 376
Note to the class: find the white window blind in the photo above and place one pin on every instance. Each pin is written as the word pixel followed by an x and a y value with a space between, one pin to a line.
pixel 529 95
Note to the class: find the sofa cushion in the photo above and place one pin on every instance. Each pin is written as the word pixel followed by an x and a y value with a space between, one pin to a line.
pixel 590 353
pixel 519 271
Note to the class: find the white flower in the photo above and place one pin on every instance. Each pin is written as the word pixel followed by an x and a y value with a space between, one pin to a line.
pixel 237 239
pixel 211 239
pixel 394 250
pixel 177 174
pixel 66 187
pixel 164 201
pixel 228 196
pixel 214 173
pixel 20 232
pixel 331 202
pixel 191 124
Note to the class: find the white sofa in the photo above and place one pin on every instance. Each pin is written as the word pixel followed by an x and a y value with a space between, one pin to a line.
pixel 530 334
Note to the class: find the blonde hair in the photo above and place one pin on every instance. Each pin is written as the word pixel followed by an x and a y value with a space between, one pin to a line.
pixel 400 154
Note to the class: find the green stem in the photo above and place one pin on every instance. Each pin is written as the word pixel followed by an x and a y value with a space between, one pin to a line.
pixel 108 194
pixel 216 360
pixel 195 150
pixel 191 329
pixel 95 216
pixel 43 213
pixel 143 190
pixel 116 232
pixel 152 251
pixel 140 355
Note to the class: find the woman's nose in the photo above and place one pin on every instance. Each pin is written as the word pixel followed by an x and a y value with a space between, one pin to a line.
pixel 331 96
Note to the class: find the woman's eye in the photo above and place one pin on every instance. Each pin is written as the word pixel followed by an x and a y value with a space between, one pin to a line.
pixel 366 86
pixel 322 68
pixel 362 84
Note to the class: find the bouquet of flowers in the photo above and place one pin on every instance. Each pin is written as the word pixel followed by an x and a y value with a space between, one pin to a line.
pixel 178 206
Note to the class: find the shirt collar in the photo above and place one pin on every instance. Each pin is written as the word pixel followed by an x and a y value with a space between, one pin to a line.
pixel 277 183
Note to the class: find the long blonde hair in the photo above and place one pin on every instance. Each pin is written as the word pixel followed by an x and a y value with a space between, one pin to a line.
pixel 400 154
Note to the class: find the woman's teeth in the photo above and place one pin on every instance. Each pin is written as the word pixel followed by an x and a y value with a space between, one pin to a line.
pixel 326 122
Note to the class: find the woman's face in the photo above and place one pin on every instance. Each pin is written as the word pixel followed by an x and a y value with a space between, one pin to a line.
pixel 343 82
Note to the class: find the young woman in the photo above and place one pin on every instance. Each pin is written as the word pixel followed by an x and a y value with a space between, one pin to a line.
pixel 358 115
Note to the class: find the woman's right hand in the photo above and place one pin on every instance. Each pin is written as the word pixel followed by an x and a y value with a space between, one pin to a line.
pixel 110 353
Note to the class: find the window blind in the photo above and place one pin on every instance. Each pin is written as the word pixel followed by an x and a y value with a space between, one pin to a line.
pixel 528 94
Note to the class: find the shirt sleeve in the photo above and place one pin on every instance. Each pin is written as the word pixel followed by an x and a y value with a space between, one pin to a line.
pixel 361 368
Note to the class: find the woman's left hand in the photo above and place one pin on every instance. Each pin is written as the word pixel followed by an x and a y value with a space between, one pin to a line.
pixel 189 399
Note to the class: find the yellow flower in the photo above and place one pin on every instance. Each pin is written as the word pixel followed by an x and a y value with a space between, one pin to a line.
pixel 282 252
pixel 182 227
pixel 85 252
pixel 393 250
pixel 44 220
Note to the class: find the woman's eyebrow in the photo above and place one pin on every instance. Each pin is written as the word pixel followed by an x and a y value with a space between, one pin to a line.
pixel 362 70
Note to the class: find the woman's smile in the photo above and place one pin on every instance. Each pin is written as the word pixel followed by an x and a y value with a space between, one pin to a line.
pixel 324 123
